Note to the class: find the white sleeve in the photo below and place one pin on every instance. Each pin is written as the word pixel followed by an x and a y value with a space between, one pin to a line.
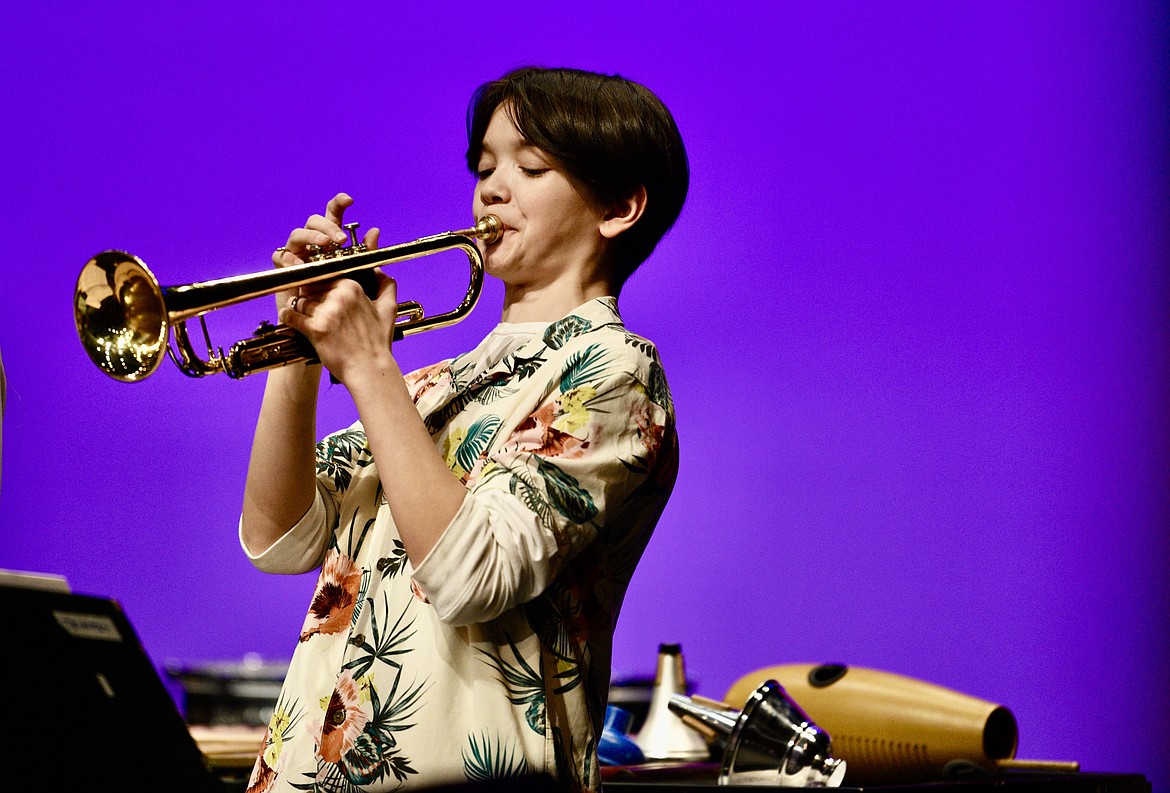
pixel 493 555
pixel 300 549
pixel 545 493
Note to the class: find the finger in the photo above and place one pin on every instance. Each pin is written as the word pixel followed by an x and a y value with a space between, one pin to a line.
pixel 335 209
pixel 327 297
pixel 371 238
pixel 314 289
pixel 308 303
pixel 329 230
pixel 387 288
pixel 284 257
pixel 299 240
pixel 291 317
pixel 386 301
pixel 299 304
pixel 296 248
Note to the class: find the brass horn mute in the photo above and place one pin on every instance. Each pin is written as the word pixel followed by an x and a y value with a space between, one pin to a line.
pixel 124 317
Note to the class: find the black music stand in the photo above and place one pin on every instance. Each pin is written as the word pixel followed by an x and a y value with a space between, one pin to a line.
pixel 84 706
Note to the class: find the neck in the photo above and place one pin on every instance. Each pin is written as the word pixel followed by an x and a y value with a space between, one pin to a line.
pixel 550 303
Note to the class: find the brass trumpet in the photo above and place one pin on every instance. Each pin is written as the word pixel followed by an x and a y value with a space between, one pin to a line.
pixel 124 317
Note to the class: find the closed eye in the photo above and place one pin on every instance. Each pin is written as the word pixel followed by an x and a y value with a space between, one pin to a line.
pixel 534 172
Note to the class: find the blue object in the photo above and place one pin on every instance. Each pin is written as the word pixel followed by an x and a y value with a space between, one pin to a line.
pixel 614 746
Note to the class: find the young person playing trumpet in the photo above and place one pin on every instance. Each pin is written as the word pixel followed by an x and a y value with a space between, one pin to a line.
pixel 477 528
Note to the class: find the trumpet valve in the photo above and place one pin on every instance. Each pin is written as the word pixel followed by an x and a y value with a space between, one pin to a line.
pixel 354 243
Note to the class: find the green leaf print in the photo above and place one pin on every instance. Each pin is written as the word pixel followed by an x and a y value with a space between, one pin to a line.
pixel 492 759
pixel 376 752
pixel 282 728
pixel 549 615
pixel 523 368
pixel 370 759
pixel 328 778
pixel 642 345
pixel 636 464
pixel 365 763
pixel 400 767
pixel 392 565
pixel 565 493
pixel 393 716
pixel 337 455
pixel 527 490
pixel 363 588
pixel 387 644
pixel 657 388
pixel 584 367
pixel 562 330
pixel 442 417
pixel 459 373
pixel 493 392
pixel 479 435
pixel 523 684
pixel 310 783
pixel 586 772
pixel 353 548
pixel 564 750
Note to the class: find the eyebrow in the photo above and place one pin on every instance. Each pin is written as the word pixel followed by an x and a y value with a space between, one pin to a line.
pixel 525 145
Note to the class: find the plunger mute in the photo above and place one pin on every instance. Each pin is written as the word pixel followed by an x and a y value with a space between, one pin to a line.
pixel 663 735
pixel 770 742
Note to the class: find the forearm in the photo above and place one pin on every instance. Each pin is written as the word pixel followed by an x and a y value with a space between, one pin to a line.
pixel 281 482
pixel 420 490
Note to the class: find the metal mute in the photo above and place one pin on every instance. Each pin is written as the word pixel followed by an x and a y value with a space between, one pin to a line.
pixel 770 742
pixel 664 736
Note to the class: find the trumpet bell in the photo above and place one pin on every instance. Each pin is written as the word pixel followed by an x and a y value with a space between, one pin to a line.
pixel 120 316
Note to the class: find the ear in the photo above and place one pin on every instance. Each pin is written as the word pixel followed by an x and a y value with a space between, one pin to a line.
pixel 622 215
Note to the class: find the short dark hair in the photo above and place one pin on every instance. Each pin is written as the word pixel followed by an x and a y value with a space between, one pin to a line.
pixel 610 133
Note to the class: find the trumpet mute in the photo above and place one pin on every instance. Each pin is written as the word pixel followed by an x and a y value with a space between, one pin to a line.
pixel 771 741
pixel 663 735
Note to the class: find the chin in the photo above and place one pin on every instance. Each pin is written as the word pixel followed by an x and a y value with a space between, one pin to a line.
pixel 500 265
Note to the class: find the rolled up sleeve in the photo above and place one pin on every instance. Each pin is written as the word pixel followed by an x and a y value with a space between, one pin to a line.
pixel 300 549
pixel 534 506
pixel 493 555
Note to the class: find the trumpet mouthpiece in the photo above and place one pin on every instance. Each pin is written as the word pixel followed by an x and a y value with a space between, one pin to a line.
pixel 489 228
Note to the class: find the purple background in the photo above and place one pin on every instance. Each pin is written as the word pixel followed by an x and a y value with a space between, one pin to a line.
pixel 915 316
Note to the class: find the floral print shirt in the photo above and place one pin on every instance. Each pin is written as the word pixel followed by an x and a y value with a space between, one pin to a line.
pixel 491 659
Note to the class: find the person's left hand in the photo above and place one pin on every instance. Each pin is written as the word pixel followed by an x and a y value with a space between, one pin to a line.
pixel 350 332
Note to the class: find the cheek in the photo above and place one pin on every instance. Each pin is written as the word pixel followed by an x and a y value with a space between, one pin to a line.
pixel 565 210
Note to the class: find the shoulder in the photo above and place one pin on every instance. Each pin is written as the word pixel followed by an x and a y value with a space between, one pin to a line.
pixel 598 323
pixel 593 343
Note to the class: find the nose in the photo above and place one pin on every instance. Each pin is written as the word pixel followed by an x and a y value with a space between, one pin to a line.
pixel 492 190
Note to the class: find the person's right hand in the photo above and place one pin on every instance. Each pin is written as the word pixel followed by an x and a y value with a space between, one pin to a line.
pixel 320 231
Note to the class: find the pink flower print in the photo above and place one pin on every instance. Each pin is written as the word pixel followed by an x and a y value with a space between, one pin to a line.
pixel 420 382
pixel 537 434
pixel 344 720
pixel 650 431
pixel 335 597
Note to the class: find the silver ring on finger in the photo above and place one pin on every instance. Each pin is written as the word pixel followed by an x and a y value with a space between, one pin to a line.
pixel 294 302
